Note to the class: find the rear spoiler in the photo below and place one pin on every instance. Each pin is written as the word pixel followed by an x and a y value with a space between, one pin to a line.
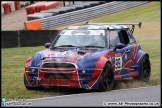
pixel 98 23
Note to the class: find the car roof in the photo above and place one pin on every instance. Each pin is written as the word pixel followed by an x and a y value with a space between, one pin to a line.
pixel 95 27
pixel 98 25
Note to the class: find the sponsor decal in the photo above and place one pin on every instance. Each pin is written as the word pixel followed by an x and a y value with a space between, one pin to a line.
pixel 118 63
pixel 80 31
pixel 66 53
pixel 101 34
pixel 117 54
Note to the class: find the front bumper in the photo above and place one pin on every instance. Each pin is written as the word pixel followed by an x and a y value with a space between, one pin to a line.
pixel 63 77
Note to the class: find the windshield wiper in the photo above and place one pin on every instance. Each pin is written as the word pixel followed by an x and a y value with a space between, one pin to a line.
pixel 64 46
pixel 94 46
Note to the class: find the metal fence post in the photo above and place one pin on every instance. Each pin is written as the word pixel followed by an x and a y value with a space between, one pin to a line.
pixel 18 38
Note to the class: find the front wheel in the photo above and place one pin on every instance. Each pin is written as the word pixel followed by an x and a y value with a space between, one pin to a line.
pixel 106 80
pixel 27 86
pixel 145 70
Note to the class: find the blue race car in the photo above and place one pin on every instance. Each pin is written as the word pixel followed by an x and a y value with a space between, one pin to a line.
pixel 89 56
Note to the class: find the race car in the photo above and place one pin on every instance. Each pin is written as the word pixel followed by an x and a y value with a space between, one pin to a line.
pixel 89 56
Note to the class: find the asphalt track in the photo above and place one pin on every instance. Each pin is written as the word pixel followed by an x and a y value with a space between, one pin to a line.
pixel 143 96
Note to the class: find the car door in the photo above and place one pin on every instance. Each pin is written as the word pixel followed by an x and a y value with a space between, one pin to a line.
pixel 122 56
pixel 123 61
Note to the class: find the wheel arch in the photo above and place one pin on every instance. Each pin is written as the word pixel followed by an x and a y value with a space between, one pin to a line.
pixel 110 76
pixel 108 61
pixel 144 75
pixel 141 52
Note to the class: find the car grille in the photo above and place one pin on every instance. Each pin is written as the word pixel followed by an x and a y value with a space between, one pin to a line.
pixel 58 76
pixel 58 70
pixel 58 67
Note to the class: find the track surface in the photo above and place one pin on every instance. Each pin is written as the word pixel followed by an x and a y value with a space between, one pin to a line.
pixel 148 95
pixel 14 20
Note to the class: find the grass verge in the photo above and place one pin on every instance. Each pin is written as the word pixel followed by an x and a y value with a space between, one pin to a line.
pixel 13 59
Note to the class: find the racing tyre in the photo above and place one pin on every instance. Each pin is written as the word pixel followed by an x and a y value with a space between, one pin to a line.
pixel 27 86
pixel 145 70
pixel 106 80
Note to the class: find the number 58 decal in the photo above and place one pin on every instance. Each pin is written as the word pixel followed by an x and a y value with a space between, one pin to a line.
pixel 118 63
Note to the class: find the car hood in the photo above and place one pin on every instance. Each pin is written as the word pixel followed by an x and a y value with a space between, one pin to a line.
pixel 78 56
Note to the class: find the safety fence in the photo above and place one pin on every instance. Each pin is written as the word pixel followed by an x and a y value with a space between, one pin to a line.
pixel 27 38
pixel 80 15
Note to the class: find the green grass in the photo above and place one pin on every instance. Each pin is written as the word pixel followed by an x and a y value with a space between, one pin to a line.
pixel 152 47
pixel 149 12
pixel 13 59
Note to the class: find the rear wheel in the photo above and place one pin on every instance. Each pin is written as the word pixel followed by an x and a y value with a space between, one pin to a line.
pixel 145 70
pixel 106 80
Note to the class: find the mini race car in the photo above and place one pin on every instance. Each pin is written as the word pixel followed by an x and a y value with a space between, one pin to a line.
pixel 89 56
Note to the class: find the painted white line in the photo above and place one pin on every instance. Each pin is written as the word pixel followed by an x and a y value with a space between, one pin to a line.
pixel 136 88
pixel 88 93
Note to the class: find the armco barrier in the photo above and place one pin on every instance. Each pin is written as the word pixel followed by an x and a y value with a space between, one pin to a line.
pixel 33 25
pixel 81 15
pixel 27 38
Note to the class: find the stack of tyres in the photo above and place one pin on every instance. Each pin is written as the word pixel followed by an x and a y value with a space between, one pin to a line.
pixel 57 11
pixel 51 14
pixel 93 3
pixel 102 2
pixel 69 9
pixel 85 5
pixel 12 6
pixel 55 3
pixel 32 8
pixel 47 6
pixel 37 16
pixel 17 5
pixel 79 6
pixel 44 6
pixel 2 10
pixel 6 7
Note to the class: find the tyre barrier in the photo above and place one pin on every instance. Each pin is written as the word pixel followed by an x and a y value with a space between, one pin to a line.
pixel 6 7
pixel 65 16
pixel 10 6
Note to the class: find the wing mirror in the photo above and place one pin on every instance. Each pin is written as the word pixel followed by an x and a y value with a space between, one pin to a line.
pixel 118 46
pixel 47 45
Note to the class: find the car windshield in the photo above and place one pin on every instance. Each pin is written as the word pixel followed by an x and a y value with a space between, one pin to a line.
pixel 80 38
